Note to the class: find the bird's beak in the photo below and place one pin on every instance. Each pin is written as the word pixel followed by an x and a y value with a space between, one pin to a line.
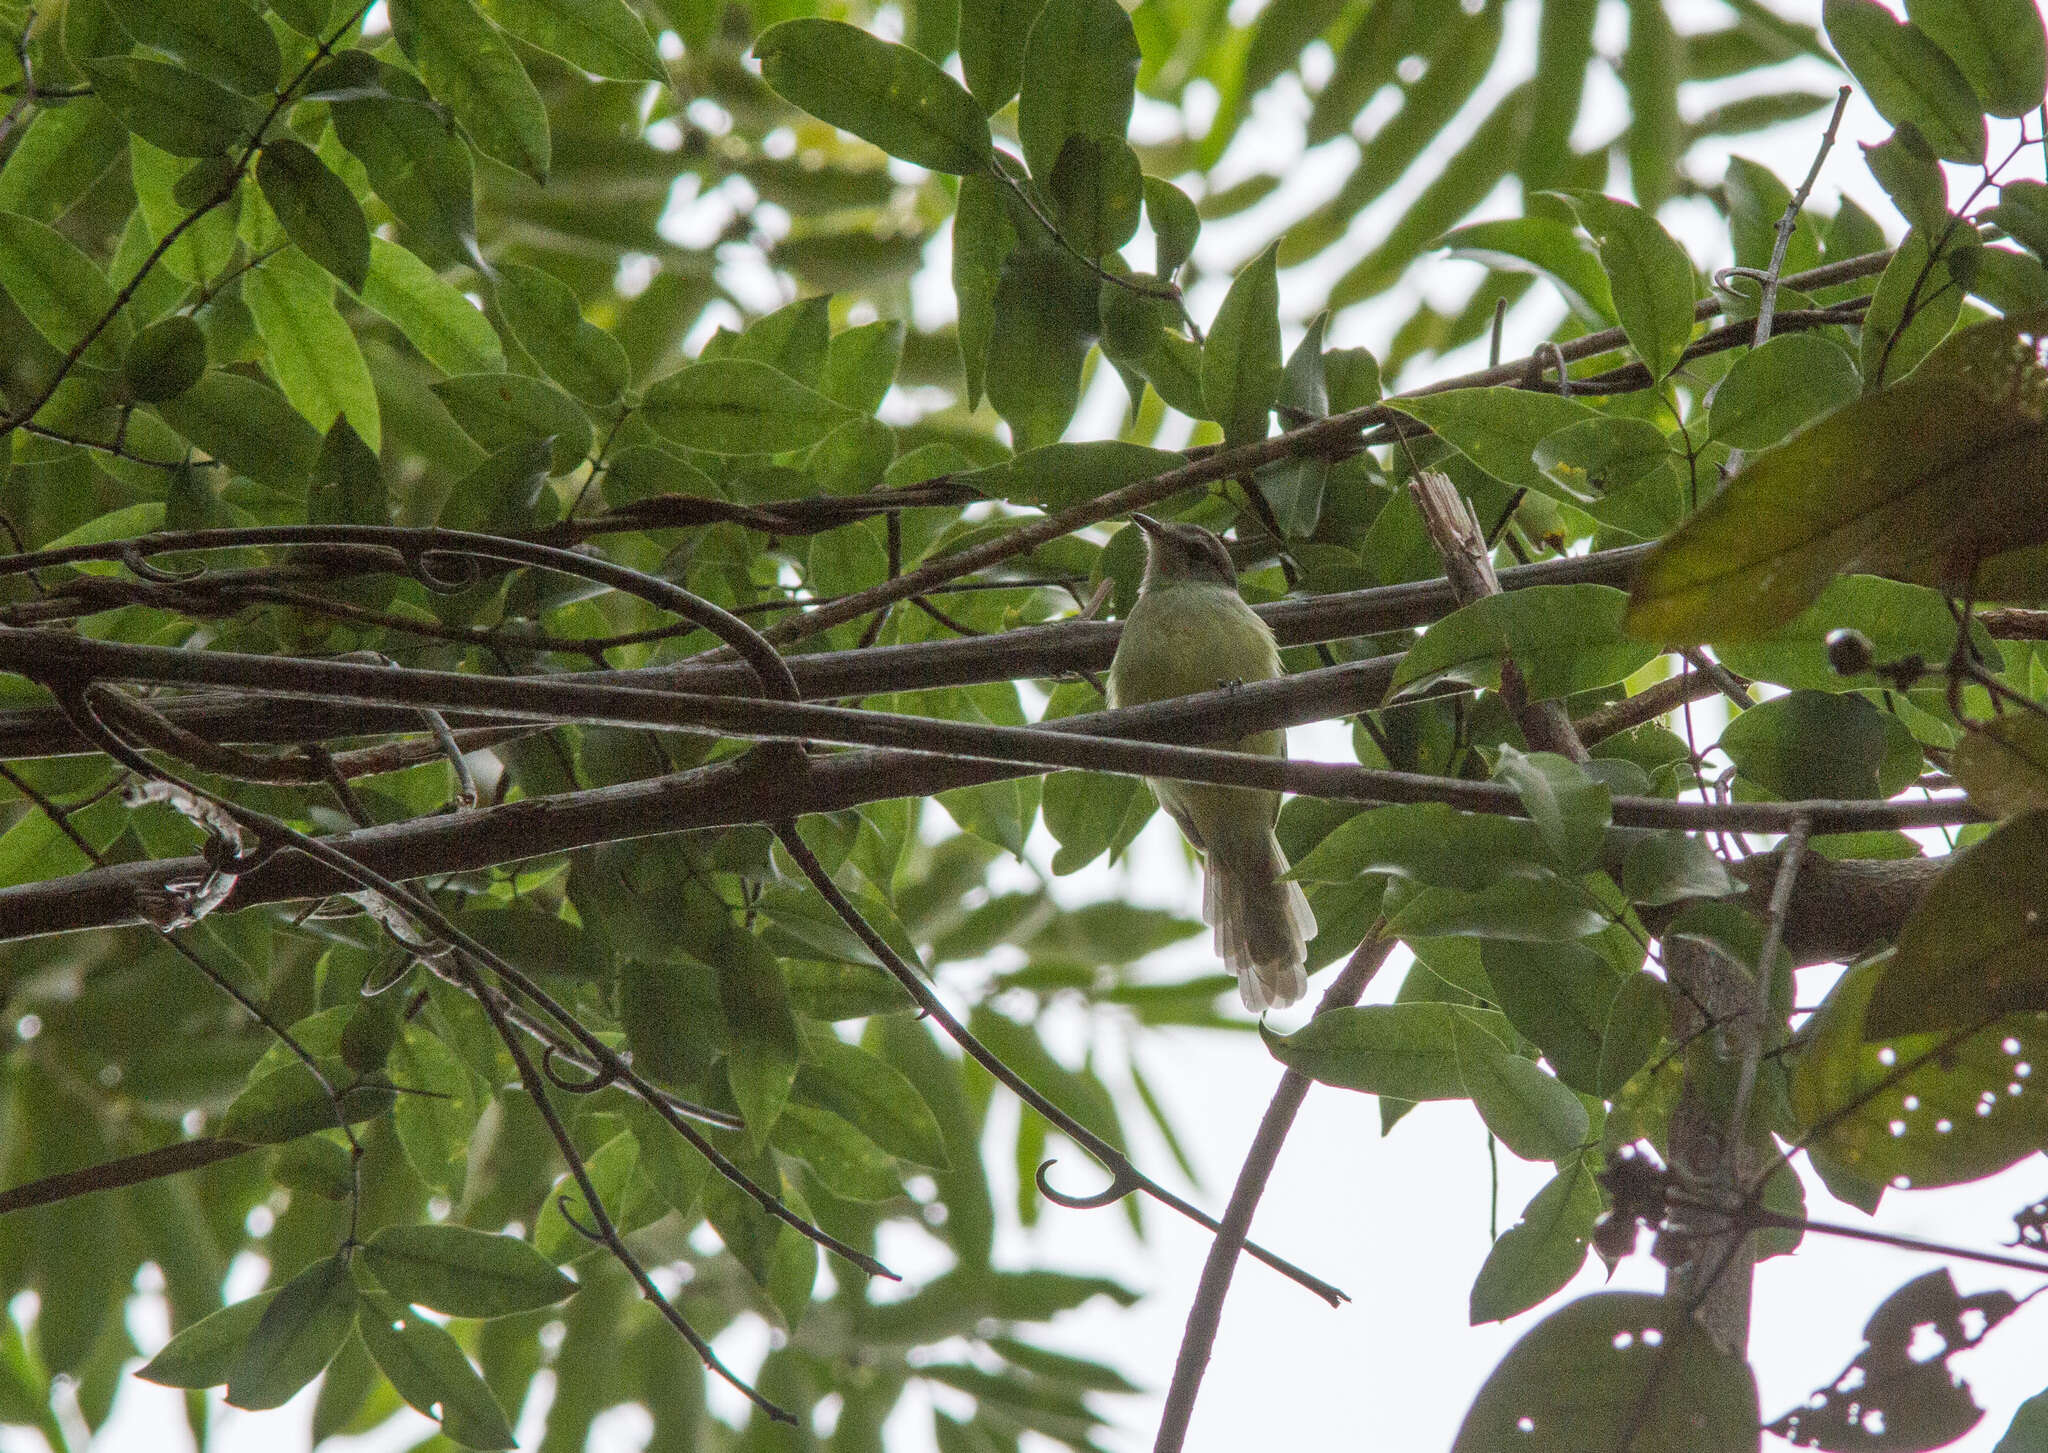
pixel 1149 525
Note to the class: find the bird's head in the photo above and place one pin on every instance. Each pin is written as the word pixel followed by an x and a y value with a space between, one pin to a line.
pixel 1178 553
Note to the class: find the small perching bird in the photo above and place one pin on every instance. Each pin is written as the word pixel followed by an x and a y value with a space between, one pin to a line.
pixel 1191 631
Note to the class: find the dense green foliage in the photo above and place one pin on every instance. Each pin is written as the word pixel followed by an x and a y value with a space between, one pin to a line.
pixel 553 344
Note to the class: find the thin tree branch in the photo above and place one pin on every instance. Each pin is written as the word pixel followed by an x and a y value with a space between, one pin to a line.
pixel 1205 1314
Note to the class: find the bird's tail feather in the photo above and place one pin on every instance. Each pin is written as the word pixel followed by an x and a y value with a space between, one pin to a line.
pixel 1262 923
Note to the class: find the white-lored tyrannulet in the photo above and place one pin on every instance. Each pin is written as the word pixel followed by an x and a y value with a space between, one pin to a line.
pixel 1191 631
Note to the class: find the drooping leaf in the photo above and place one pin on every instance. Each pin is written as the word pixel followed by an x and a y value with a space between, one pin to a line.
pixel 206 1352
pixel 1617 1367
pixel 317 209
pixel 1917 301
pixel 1650 276
pixel 883 93
pixel 1080 76
pixel 1907 76
pixel 311 350
pixel 449 331
pixel 165 359
pixel 463 1272
pixel 301 1329
pixel 1241 366
pixel 60 290
pixel 416 163
pixel 603 37
pixel 179 111
pixel 544 316
pixel 1922 479
pixel 502 409
pixel 228 41
pixel 992 38
pixel 1570 808
pixel 469 66
pixel 246 425
pixel 1544 246
pixel 1998 45
pixel 429 1370
pixel 1543 1251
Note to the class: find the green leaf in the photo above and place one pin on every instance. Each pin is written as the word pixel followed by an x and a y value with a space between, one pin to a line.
pixel 1241 368
pixel 61 154
pixel 316 208
pixel 1499 429
pixel 1922 1107
pixel 626 1196
pixel 1906 167
pixel 1598 458
pixel 848 1163
pixel 1528 908
pixel 1593 1375
pixel 738 406
pixel 288 1102
pixel 2022 211
pixel 309 346
pixel 2003 763
pixel 883 93
pixel 1757 203
pixel 1810 744
pixel 982 239
pixel 165 359
pixel 60 290
pixel 307 17
pixel 416 163
pixel 992 38
pixel 544 315
pixel 1570 809
pixel 1649 273
pixel 1097 191
pixel 1428 843
pixel 428 1369
pixel 603 37
pixel 873 1096
pixel 502 409
pixel 298 1334
pixel 1565 638
pixel 1972 946
pixel 1543 1251
pixel 860 365
pixel 1175 225
pixel 449 331
pixel 1940 467
pixel 1917 301
pixel 179 111
pixel 1038 344
pixel 248 427
pixel 1057 476
pixel 1908 77
pixel 468 64
pixel 1668 867
pixel 1080 79
pixel 1780 388
pixel 761 1052
pixel 463 1272
pixel 206 1352
pixel 1546 247
pixel 1566 998
pixel 227 41
pixel 348 484
pixel 1528 1111
pixel 1898 620
pixel 1410 1051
